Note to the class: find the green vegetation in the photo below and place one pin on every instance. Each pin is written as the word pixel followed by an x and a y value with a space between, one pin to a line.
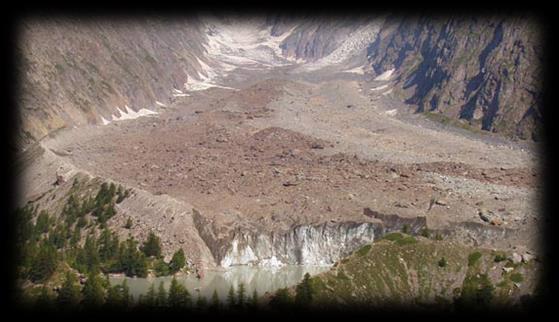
pixel 52 245
pixel 477 292
pixel 364 250
pixel 500 257
pixel 473 258
pixel 152 246
pixel 304 293
pixel 442 262
pixel 128 224
pixel 281 300
pixel 178 261
pixel 393 236
pixel 516 277
pixel 179 297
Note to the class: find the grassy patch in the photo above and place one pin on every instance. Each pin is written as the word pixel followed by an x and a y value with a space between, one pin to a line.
pixel 473 258
pixel 406 241
pixel 500 257
pixel 364 250
pixel 516 277
pixel 393 236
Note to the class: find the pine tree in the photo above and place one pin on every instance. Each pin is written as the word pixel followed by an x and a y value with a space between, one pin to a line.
pixel 254 300
pixel 304 291
pixel 231 301
pixel 201 303
pixel 150 299
pixel 91 254
pixel 93 291
pixel 44 262
pixel 281 299
pixel 241 297
pixel 161 300
pixel 44 301
pixel 128 224
pixel 152 246
pixel 126 297
pixel 179 297
pixel 69 293
pixel 178 261
pixel 215 304
pixel 43 222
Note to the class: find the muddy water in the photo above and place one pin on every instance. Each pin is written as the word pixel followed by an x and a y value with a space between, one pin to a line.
pixel 259 278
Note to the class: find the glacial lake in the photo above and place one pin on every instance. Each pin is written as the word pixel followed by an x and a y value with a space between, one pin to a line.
pixel 262 279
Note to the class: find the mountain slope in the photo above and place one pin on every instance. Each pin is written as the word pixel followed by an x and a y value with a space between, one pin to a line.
pixel 404 270
pixel 483 70
pixel 75 72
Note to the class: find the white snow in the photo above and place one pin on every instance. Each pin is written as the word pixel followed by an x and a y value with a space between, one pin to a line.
pixel 160 104
pixel 128 114
pixel 357 70
pixel 392 112
pixel 105 122
pixel 379 88
pixel 244 43
pixel 356 42
pixel 385 76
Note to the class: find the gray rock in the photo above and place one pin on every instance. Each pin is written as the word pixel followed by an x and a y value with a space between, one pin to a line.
pixel 516 258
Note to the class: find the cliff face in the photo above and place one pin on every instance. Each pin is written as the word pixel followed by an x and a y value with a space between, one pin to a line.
pixel 75 72
pixel 486 71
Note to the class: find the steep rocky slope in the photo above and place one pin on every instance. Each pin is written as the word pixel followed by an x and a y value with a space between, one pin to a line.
pixel 75 72
pixel 486 70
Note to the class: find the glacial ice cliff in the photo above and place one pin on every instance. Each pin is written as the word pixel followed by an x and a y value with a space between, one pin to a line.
pixel 321 244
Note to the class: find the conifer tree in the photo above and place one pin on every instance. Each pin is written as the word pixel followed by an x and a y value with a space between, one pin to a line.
pixel 149 299
pixel 254 299
pixel 231 301
pixel 179 297
pixel 152 246
pixel 304 291
pixel 161 299
pixel 93 291
pixel 281 300
pixel 43 263
pixel 69 293
pixel 201 303
pixel 44 300
pixel 241 297
pixel 178 261
pixel 215 304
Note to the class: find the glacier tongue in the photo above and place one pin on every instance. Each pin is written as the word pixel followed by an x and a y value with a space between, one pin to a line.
pixel 304 245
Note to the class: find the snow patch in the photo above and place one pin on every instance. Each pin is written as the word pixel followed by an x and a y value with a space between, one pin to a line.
pixel 392 112
pixel 160 104
pixel 356 70
pixel 105 122
pixel 356 42
pixel 128 114
pixel 379 88
pixel 385 76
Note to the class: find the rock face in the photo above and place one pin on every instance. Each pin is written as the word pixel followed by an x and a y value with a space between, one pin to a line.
pixel 75 72
pixel 485 71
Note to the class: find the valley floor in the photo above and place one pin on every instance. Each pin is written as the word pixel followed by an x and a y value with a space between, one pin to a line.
pixel 280 152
